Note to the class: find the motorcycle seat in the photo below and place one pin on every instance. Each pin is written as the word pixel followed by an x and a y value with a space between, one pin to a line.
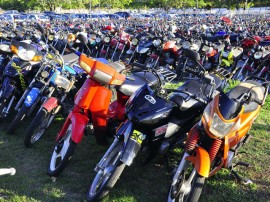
pixel 183 101
pixel 257 92
pixel 136 80
pixel 70 58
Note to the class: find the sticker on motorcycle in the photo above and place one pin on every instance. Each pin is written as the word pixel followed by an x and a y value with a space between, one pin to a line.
pixel 150 99
pixel 160 130
pixel 138 136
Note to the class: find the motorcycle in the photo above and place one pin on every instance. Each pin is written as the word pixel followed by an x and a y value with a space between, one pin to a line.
pixel 213 143
pixel 253 61
pixel 91 105
pixel 18 74
pixel 154 125
pixel 58 88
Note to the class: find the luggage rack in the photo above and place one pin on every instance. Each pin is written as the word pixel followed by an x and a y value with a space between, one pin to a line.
pixel 168 75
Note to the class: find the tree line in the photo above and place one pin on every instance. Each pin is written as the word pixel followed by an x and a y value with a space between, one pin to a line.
pixel 42 5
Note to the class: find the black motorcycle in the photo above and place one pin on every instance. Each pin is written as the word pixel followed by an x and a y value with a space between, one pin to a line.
pixel 155 124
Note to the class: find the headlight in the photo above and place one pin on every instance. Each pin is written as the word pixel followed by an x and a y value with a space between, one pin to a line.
pixel 45 74
pixel 107 39
pixel 258 55
pixel 134 42
pixel 194 47
pixel 71 37
pixel 51 37
pixel 60 81
pixel 157 42
pixel 5 48
pixel 219 128
pixel 25 54
pixel 98 40
pixel 186 45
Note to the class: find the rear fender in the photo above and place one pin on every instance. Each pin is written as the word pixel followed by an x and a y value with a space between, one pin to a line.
pixel 225 62
pixel 50 104
pixel 201 161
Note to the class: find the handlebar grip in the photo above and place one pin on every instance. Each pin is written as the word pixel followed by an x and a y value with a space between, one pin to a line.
pixel 259 102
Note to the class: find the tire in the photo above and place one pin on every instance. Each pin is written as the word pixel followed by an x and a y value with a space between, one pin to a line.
pixel 116 56
pixel 3 103
pixel 179 69
pixel 64 149
pixel 37 127
pixel 194 193
pixel 127 58
pixel 113 164
pixel 17 119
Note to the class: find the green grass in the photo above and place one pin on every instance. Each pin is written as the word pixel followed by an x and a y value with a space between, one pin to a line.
pixel 138 183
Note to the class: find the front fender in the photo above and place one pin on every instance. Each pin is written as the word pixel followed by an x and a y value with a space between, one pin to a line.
pixel 201 161
pixel 31 97
pixel 8 87
pixel 78 122
pixel 225 62
pixel 50 104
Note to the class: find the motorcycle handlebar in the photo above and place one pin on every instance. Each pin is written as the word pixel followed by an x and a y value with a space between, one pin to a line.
pixel 53 49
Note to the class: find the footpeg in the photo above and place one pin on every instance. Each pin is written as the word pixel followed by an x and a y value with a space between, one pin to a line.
pixel 240 163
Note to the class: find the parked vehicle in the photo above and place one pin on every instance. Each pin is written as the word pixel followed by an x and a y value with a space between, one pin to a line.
pixel 154 125
pixel 213 143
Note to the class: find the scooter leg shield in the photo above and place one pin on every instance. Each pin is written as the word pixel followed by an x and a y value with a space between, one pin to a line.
pixel 201 161
pixel 99 109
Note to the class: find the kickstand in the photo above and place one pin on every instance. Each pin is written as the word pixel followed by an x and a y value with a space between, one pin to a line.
pixel 240 179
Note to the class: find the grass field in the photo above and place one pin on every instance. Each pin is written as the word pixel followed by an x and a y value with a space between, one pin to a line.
pixel 137 184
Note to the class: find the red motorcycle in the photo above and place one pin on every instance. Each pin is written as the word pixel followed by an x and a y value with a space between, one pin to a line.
pixel 91 106
pixel 121 46
pixel 170 53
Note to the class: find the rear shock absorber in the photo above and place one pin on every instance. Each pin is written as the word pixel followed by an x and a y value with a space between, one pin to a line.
pixel 192 140
pixel 214 149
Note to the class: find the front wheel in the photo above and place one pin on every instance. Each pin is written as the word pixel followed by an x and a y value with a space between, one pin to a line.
pixel 107 175
pixel 62 153
pixel 17 119
pixel 187 184
pixel 37 127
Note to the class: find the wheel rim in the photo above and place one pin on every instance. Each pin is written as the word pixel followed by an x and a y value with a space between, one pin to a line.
pixel 104 174
pixel 58 156
pixel 40 130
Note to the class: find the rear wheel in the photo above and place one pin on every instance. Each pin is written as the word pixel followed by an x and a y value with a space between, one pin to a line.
pixel 37 127
pixel 62 153
pixel 17 119
pixel 107 175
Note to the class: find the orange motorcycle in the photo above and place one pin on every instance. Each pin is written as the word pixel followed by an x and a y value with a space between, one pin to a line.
pixel 213 143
